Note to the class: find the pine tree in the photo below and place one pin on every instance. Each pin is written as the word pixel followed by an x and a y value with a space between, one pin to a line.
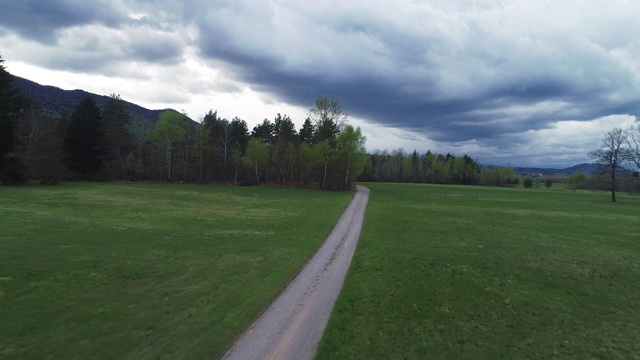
pixel 84 140
pixel 306 132
pixel 118 141
pixel 10 168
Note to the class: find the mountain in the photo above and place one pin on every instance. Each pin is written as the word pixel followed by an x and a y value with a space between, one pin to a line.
pixel 59 101
pixel 585 168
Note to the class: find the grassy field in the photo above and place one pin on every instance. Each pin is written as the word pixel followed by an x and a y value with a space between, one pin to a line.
pixel 446 272
pixel 135 271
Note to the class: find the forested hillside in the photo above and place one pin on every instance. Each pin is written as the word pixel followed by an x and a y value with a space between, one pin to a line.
pixel 54 100
pixel 54 134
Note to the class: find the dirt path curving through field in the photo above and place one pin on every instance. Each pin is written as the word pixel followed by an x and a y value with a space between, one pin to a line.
pixel 293 324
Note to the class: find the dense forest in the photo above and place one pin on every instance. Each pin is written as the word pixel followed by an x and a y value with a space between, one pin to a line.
pixel 108 143
pixel 108 139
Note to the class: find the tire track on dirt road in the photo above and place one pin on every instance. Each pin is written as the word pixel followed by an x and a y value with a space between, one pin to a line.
pixel 293 324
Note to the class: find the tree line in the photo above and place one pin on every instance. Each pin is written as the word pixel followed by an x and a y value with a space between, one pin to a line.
pixel 433 168
pixel 108 144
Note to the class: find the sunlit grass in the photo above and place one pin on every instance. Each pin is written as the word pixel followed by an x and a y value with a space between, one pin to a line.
pixel 132 271
pixel 448 272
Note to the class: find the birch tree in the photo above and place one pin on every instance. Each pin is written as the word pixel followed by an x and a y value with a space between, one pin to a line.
pixel 168 131
pixel 351 148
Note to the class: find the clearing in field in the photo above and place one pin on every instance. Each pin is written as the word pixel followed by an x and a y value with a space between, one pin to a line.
pixel 451 272
pixel 134 271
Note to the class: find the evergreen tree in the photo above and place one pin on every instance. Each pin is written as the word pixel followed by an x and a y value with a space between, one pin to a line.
pixel 240 131
pixel 283 150
pixel 84 139
pixel 10 168
pixel 118 141
pixel 284 128
pixel 306 132
pixel 264 131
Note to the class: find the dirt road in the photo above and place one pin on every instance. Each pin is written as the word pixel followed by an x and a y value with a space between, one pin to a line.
pixel 292 326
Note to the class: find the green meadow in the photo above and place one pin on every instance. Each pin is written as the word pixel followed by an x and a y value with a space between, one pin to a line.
pixel 450 272
pixel 141 271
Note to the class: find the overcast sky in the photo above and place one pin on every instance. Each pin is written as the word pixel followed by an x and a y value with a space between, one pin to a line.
pixel 525 83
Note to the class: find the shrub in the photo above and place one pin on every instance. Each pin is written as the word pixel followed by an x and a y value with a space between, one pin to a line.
pixel 527 182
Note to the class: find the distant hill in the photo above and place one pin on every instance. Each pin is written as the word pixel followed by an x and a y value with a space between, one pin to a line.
pixel 585 168
pixel 59 101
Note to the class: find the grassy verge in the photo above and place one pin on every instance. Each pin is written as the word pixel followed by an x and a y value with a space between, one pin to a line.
pixel 133 271
pixel 450 272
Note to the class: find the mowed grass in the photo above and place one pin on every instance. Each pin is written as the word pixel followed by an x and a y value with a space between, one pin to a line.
pixel 447 272
pixel 140 271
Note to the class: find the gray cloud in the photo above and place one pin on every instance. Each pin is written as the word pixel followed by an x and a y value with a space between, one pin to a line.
pixel 458 72
pixel 41 20
pixel 453 72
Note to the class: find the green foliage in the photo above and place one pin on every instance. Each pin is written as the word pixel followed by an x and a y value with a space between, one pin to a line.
pixel 264 131
pixel 399 166
pixel 352 151
pixel 464 272
pixel 203 149
pixel 324 153
pixel 527 181
pixel 38 143
pixel 170 128
pixel 118 141
pixel 307 162
pixel 10 168
pixel 226 138
pixel 329 118
pixel 487 177
pixel 84 140
pixel 284 129
pixel 576 181
pixel 132 165
pixel 167 135
pixel 306 132
pixel 504 175
pixel 148 271
pixel 499 176
pixel 256 157
pixel 548 183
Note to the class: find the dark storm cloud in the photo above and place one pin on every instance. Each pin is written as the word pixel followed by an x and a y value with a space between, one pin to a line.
pixel 452 73
pixel 40 20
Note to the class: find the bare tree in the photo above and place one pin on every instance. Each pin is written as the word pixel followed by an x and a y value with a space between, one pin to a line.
pixel 611 156
pixel 31 126
pixel 202 146
pixel 138 128
pixel 633 142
